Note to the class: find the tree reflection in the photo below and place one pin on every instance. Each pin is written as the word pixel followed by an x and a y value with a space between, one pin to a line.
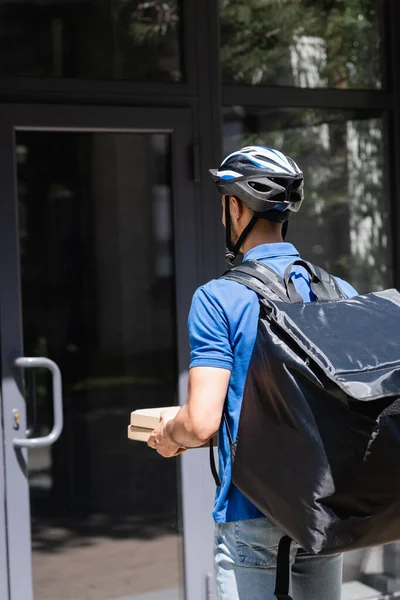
pixel 309 43
pixel 107 39
pixel 343 224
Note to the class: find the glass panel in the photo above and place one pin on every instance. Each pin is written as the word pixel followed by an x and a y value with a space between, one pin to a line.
pixel 88 39
pixel 98 298
pixel 344 226
pixel 344 223
pixel 319 43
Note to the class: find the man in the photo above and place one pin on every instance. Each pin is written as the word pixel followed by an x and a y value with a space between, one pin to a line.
pixel 260 187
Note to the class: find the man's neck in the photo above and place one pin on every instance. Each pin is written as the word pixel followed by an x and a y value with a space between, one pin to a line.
pixel 256 238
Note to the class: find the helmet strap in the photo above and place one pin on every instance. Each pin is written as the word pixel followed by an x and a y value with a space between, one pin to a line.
pixel 232 250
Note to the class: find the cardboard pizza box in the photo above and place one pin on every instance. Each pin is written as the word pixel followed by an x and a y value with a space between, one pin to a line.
pixel 148 418
pixel 139 434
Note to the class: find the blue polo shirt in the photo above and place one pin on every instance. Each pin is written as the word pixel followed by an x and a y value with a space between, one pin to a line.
pixel 222 325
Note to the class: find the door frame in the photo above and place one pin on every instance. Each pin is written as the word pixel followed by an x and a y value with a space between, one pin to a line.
pixel 197 527
pixel 3 541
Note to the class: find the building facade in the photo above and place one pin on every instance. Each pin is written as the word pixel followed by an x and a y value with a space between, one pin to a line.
pixel 111 113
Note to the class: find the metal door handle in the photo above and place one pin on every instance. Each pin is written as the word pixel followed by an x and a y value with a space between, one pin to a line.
pixel 47 440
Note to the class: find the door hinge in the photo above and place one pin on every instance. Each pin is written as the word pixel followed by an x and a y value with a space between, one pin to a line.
pixel 209 593
pixel 195 160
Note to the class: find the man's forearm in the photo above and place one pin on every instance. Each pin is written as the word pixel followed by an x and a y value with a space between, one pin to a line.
pixel 199 419
pixel 185 432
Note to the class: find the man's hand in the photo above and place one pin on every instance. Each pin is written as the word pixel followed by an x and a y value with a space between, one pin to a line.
pixel 160 439
pixel 197 421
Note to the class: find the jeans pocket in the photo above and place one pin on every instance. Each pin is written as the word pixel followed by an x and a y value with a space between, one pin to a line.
pixel 257 542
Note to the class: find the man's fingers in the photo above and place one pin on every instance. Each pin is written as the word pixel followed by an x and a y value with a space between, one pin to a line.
pixel 165 453
pixel 152 441
pixel 180 451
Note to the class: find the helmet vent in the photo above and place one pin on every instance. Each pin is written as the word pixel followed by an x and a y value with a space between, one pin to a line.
pixel 297 183
pixel 259 187
pixel 281 197
pixel 295 197
pixel 282 181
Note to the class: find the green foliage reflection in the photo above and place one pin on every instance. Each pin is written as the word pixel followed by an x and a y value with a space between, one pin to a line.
pixel 310 43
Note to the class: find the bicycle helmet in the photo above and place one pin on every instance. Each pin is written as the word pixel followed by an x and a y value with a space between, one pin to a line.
pixel 268 182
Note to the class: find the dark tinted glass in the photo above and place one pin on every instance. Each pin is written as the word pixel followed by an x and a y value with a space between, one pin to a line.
pixel 318 43
pixel 102 39
pixel 343 224
pixel 98 296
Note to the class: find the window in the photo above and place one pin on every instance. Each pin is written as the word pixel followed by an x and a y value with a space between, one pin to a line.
pixel 318 43
pixel 344 223
pixel 122 39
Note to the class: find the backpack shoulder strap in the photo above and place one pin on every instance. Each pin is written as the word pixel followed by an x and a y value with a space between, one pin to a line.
pixel 324 286
pixel 213 466
pixel 331 284
pixel 261 279
pixel 283 569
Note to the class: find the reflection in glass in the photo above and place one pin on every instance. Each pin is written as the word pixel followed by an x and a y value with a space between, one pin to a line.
pixel 96 301
pixel 106 39
pixel 343 224
pixel 333 44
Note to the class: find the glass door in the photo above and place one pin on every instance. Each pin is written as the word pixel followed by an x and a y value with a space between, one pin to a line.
pixel 97 271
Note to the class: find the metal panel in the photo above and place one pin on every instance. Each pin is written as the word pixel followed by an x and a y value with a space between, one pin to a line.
pixel 17 496
pixel 210 232
pixel 19 89
pixel 196 482
pixel 189 57
pixel 303 97
pixel 89 118
pixel 199 490
pixel 393 154
pixel 178 123
pixel 3 539
pixel 389 187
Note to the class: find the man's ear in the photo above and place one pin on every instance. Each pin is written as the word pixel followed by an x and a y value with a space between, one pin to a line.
pixel 236 208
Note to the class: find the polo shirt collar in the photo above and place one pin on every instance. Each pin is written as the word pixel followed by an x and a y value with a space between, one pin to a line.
pixel 277 250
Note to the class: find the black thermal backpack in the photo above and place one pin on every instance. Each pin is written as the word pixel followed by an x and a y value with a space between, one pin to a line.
pixel 318 445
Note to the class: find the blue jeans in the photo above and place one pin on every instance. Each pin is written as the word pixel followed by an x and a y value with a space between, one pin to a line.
pixel 245 565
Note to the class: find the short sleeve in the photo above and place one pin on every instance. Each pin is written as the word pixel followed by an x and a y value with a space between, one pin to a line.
pixel 209 333
pixel 346 288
